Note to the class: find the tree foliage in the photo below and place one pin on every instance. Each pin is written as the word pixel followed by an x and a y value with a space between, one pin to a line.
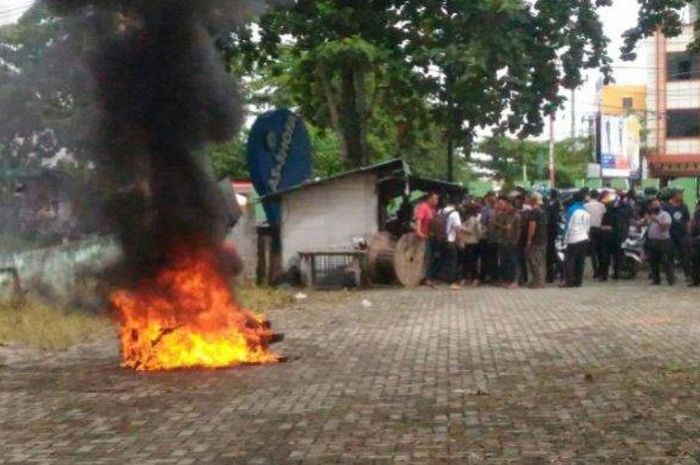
pixel 659 15
pixel 229 159
pixel 343 69
pixel 375 78
pixel 46 105
pixel 462 65
pixel 505 158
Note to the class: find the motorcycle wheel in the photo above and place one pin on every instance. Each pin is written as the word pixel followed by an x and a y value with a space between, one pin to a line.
pixel 630 268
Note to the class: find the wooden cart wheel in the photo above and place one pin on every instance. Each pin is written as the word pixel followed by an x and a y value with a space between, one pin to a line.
pixel 380 258
pixel 409 260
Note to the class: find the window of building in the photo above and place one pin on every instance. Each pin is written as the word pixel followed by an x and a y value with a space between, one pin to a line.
pixel 683 123
pixel 683 67
pixel 627 103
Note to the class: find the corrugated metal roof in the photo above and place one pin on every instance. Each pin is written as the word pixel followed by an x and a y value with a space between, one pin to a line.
pixel 391 165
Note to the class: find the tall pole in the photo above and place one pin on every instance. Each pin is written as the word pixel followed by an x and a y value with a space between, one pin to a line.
pixel 450 134
pixel 450 156
pixel 552 174
pixel 573 113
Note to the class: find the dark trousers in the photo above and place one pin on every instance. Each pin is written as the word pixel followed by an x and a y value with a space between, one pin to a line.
pixel 605 250
pixel 676 251
pixel 450 263
pixel 489 261
pixel 433 252
pixel 594 251
pixel 683 251
pixel 575 263
pixel 552 258
pixel 695 261
pixel 618 257
pixel 522 264
pixel 660 256
pixel 470 262
pixel 509 263
pixel 691 259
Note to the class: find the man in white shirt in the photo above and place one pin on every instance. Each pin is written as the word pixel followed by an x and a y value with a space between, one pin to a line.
pixel 596 209
pixel 577 240
pixel 454 223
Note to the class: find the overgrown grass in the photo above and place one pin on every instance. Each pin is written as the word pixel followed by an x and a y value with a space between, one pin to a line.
pixel 43 327
pixel 262 299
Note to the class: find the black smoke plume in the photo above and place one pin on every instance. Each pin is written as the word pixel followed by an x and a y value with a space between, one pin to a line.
pixel 162 94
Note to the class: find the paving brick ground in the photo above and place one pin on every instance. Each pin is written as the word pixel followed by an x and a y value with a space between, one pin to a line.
pixel 596 376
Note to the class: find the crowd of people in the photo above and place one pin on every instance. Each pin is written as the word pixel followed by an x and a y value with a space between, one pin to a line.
pixel 525 238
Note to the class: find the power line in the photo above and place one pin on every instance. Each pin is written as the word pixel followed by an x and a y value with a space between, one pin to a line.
pixel 632 110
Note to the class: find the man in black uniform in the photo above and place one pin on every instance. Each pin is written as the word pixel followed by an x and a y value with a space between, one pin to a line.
pixel 622 217
pixel 679 228
pixel 553 220
pixel 691 249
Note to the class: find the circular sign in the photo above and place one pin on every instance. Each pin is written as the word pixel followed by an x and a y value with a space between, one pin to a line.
pixel 279 155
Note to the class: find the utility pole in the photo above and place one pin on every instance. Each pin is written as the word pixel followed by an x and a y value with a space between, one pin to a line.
pixel 552 173
pixel 573 113
pixel 450 134
pixel 591 120
pixel 450 157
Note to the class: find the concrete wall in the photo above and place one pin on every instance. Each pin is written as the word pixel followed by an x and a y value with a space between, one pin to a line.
pixel 60 272
pixel 66 273
pixel 245 238
pixel 329 216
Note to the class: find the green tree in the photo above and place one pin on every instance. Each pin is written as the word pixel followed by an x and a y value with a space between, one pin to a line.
pixel 462 65
pixel 229 159
pixel 500 64
pixel 659 15
pixel 504 158
pixel 346 72
pixel 572 157
pixel 45 101
pixel 282 83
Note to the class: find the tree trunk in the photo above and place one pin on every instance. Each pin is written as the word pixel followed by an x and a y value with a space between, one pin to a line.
pixel 450 133
pixel 334 113
pixel 353 118
pixel 450 154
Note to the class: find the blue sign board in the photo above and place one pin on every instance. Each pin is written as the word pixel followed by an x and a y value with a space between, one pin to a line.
pixel 279 155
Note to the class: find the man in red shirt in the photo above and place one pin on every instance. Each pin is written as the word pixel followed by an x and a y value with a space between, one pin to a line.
pixel 424 214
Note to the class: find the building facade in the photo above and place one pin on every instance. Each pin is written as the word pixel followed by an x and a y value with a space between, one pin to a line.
pixel 673 103
pixel 620 100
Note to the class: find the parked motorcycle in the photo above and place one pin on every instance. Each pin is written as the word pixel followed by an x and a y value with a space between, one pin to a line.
pixel 633 251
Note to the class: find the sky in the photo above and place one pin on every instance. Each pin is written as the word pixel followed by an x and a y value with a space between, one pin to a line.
pixel 616 19
pixel 11 10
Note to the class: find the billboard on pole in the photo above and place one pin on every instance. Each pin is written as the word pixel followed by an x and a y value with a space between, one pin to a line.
pixel 620 146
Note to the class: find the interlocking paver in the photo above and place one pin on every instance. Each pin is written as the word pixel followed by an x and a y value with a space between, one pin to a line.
pixel 603 374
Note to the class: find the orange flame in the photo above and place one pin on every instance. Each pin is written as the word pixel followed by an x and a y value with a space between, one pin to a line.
pixel 187 317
